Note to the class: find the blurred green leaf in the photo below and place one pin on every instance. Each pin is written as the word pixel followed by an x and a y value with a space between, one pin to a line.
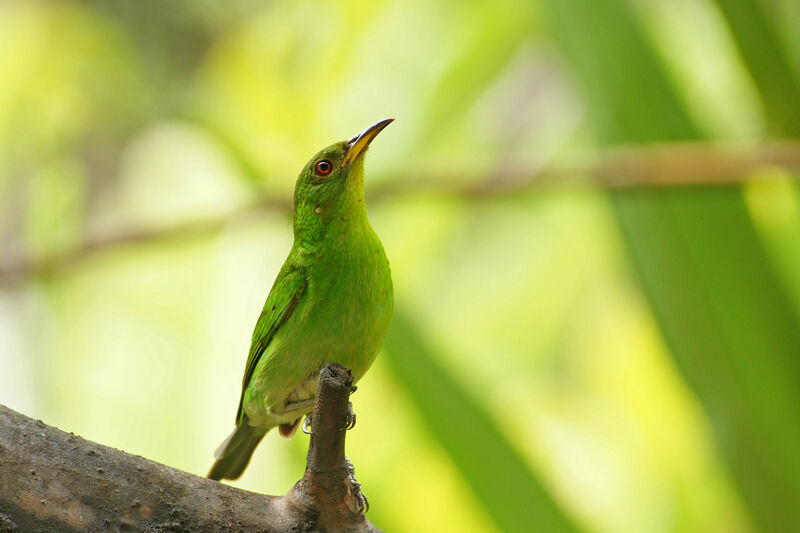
pixel 774 203
pixel 487 43
pixel 767 57
pixel 768 60
pixel 723 313
pixel 510 492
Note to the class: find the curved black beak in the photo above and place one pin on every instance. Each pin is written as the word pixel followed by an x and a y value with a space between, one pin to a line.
pixel 359 143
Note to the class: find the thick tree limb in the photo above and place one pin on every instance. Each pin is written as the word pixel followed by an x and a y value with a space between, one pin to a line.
pixel 54 481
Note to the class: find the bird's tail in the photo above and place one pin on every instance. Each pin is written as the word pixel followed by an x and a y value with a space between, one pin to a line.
pixel 234 454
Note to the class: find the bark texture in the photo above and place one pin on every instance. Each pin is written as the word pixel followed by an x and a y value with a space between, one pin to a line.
pixel 51 481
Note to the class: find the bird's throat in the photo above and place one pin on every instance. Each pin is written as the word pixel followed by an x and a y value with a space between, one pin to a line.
pixel 322 225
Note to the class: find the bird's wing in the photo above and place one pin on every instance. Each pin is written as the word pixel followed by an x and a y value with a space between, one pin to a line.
pixel 282 300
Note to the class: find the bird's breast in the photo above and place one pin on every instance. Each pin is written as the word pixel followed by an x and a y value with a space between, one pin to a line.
pixel 351 295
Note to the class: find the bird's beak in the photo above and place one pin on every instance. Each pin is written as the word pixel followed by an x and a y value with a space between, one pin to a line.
pixel 359 143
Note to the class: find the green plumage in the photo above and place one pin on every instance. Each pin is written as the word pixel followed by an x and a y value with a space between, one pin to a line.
pixel 331 302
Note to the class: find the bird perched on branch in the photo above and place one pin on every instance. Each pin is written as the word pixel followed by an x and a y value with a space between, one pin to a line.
pixel 331 302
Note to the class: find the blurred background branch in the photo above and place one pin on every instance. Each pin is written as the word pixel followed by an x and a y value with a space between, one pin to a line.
pixel 667 164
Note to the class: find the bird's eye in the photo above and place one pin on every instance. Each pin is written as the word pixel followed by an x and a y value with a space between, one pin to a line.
pixel 324 167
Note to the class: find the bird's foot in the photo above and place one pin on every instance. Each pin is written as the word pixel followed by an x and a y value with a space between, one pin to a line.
pixel 361 502
pixel 307 425
pixel 351 417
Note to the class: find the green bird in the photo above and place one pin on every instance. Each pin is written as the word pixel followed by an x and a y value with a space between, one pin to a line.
pixel 331 302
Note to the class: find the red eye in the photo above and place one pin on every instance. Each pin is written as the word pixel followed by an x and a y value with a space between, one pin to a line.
pixel 324 167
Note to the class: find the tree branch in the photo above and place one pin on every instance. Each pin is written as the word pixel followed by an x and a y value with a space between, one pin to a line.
pixel 668 164
pixel 329 482
pixel 51 480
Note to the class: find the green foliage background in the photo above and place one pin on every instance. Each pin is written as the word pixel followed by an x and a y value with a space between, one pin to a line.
pixel 563 359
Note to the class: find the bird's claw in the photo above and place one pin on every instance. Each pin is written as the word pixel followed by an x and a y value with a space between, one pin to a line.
pixel 350 420
pixel 362 503
pixel 351 417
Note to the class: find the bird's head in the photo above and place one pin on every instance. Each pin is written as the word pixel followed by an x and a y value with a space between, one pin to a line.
pixel 331 185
